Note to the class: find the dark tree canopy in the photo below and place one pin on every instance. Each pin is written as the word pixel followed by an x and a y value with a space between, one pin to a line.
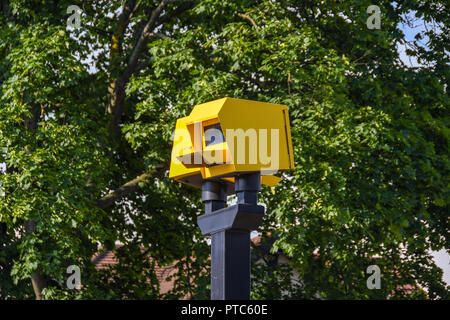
pixel 87 116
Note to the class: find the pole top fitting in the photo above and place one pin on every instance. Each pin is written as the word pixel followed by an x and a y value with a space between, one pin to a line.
pixel 248 182
pixel 213 190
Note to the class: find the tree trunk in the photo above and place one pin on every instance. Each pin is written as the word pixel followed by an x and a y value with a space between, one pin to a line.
pixel 37 279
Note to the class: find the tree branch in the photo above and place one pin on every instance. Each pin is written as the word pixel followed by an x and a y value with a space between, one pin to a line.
pixel 143 38
pixel 175 13
pixel 117 88
pixel 124 19
pixel 5 9
pixel 129 187
pixel 248 18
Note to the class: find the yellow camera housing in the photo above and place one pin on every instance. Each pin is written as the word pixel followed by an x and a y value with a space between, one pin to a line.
pixel 225 137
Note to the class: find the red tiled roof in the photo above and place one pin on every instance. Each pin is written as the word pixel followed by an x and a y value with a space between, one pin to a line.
pixel 105 259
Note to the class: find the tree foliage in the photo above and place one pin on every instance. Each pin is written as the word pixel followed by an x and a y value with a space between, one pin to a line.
pixel 87 115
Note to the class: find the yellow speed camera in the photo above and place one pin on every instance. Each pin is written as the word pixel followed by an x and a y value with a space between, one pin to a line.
pixel 225 137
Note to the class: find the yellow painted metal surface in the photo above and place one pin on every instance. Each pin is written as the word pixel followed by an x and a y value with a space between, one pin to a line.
pixel 254 136
pixel 181 146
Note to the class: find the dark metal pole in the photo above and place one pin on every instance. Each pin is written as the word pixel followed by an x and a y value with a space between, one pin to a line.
pixel 230 235
pixel 230 265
